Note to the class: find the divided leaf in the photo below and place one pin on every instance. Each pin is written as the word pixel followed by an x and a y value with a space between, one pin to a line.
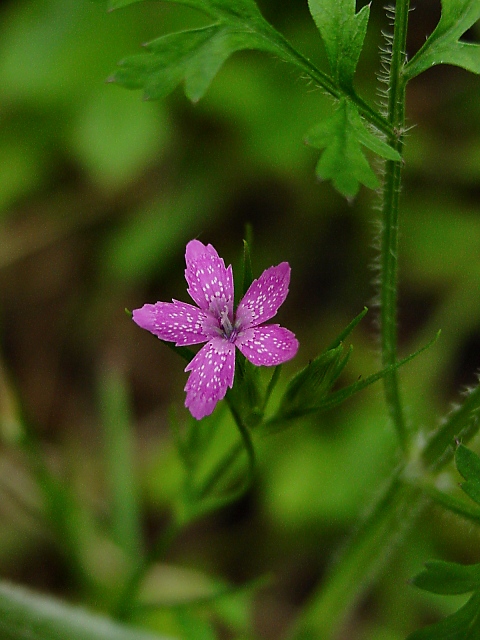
pixel 343 32
pixel 343 160
pixel 444 46
pixel 194 56
pixel 450 578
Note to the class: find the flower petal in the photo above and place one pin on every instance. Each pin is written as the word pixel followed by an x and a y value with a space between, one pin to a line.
pixel 264 297
pixel 175 321
pixel 268 345
pixel 210 283
pixel 212 371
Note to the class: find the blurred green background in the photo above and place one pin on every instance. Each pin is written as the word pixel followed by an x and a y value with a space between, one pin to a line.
pixel 99 193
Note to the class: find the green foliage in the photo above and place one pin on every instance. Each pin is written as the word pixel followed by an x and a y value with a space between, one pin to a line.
pixel 468 465
pixel 343 161
pixel 462 625
pixel 119 462
pixel 310 390
pixel 462 422
pixel 443 46
pixel 343 32
pixel 195 56
pixel 28 616
pixel 450 578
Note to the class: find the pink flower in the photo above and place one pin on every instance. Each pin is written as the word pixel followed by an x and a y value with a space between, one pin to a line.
pixel 210 285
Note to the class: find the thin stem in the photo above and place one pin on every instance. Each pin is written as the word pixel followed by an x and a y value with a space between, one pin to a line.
pixel 246 439
pixel 288 52
pixel 390 213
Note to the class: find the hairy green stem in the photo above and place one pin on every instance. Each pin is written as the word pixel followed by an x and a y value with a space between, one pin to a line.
pixel 288 52
pixel 390 213
pixel 381 530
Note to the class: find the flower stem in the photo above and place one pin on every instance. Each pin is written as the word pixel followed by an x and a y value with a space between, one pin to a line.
pixel 390 214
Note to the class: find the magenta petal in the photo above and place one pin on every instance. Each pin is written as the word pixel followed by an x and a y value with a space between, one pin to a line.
pixel 267 346
pixel 264 296
pixel 175 321
pixel 212 371
pixel 210 283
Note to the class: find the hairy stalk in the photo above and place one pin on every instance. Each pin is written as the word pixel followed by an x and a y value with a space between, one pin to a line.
pixel 381 531
pixel 288 52
pixel 389 233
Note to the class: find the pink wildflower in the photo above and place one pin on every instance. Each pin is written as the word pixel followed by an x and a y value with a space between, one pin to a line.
pixel 210 285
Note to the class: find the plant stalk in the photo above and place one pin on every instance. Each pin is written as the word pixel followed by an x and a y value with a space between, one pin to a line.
pixel 390 223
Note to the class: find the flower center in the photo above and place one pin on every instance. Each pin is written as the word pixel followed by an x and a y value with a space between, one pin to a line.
pixel 229 330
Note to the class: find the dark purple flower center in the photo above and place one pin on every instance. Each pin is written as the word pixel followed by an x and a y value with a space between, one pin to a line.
pixel 229 330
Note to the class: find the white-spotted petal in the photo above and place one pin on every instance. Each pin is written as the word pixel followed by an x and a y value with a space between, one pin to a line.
pixel 210 283
pixel 211 373
pixel 264 296
pixel 268 345
pixel 175 321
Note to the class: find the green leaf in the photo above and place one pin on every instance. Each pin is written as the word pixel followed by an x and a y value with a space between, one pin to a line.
pixel 119 458
pixel 448 578
pixel 468 465
pixel 464 624
pixel 462 422
pixel 25 615
pixel 348 329
pixel 195 56
pixel 444 46
pixel 309 386
pixel 327 401
pixel 462 507
pixel 343 161
pixel 343 32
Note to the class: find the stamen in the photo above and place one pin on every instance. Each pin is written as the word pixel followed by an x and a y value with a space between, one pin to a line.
pixel 225 322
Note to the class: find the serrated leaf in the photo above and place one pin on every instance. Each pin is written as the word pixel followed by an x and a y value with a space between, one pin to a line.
pixel 343 32
pixel 448 578
pixel 341 137
pixel 468 465
pixel 464 624
pixel 444 46
pixel 25 615
pixel 194 56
